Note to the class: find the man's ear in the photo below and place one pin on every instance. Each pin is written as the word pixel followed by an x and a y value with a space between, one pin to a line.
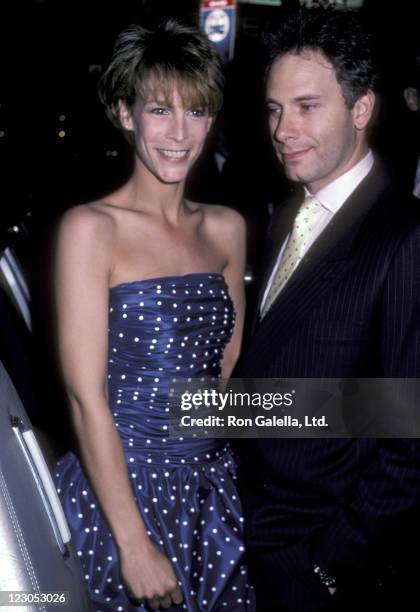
pixel 412 98
pixel 363 110
pixel 126 118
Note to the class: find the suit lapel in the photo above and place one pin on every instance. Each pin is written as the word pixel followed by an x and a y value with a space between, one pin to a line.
pixel 330 255
pixel 280 227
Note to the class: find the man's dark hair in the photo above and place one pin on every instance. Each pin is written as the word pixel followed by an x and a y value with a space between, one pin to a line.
pixel 342 39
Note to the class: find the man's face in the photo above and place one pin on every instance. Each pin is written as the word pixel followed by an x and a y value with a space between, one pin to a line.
pixel 315 135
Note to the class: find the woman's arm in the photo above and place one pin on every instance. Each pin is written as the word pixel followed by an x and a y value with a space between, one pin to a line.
pixel 83 269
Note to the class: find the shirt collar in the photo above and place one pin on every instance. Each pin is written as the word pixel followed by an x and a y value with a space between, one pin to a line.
pixel 336 193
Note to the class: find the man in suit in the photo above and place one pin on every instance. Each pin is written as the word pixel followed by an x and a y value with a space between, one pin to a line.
pixel 325 518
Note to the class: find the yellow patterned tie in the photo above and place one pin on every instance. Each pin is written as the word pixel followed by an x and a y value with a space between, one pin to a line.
pixel 303 225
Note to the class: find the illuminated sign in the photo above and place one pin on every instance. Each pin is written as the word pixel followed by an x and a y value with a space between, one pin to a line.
pixel 217 20
pixel 217 4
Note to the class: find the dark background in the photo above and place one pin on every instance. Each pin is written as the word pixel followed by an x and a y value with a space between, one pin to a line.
pixel 52 54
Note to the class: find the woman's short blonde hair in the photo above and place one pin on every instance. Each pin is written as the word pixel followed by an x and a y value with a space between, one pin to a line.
pixel 150 63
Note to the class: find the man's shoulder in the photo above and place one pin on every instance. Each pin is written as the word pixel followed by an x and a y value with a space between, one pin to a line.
pixel 387 199
pixel 397 206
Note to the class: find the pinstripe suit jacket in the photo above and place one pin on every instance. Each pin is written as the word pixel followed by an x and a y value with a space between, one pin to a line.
pixel 351 309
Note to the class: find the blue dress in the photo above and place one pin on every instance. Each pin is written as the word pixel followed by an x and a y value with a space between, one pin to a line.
pixel 160 329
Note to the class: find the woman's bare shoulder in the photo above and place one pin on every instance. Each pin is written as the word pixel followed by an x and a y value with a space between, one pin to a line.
pixel 88 221
pixel 224 220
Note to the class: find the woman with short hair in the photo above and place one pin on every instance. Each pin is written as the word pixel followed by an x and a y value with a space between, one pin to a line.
pixel 149 286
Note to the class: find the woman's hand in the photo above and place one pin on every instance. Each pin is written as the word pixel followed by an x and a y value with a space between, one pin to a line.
pixel 83 269
pixel 148 576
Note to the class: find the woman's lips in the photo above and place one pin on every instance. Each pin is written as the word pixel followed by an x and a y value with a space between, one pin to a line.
pixel 174 155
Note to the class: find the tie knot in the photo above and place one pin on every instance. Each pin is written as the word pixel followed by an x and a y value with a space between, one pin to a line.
pixel 309 208
pixel 310 202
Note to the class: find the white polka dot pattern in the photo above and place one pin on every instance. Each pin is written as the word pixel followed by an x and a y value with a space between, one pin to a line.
pixel 185 490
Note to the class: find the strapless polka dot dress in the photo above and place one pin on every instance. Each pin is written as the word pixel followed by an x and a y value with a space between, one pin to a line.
pixel 160 329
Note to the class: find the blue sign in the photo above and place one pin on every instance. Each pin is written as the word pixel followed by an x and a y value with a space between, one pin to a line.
pixel 219 27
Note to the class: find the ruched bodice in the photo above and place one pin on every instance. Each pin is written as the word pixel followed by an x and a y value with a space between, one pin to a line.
pixel 167 327
pixel 161 329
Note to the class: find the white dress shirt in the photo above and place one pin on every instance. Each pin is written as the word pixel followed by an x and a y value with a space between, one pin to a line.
pixel 331 197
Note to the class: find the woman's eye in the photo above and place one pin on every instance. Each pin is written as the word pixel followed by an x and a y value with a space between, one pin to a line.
pixel 197 112
pixel 158 110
